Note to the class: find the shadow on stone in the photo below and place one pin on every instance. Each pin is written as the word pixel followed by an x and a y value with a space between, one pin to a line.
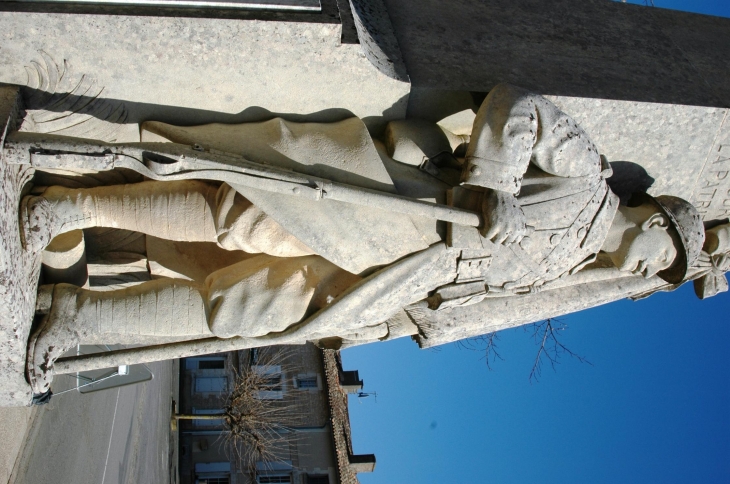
pixel 629 178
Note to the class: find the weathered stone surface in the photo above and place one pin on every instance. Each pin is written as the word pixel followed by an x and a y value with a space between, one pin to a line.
pixel 318 11
pixel 377 38
pixel 704 41
pixel 712 190
pixel 587 48
pixel 499 313
pixel 293 5
pixel 18 270
pixel 64 260
pixel 682 149
pixel 194 70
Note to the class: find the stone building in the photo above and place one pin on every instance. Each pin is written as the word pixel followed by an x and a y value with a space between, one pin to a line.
pixel 311 390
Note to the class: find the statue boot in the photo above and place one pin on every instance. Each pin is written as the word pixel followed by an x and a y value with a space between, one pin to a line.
pixel 41 221
pixel 155 312
pixel 178 210
pixel 182 210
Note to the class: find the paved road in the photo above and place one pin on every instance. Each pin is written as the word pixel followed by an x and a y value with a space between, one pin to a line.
pixel 116 436
pixel 14 424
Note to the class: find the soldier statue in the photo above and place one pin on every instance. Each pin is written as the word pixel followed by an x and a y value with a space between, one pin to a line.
pixel 512 224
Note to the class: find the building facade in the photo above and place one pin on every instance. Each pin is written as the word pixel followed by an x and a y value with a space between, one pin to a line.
pixel 306 391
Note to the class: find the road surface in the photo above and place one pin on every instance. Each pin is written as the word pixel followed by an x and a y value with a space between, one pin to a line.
pixel 116 436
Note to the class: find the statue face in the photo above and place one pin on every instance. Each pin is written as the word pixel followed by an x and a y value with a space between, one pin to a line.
pixel 647 248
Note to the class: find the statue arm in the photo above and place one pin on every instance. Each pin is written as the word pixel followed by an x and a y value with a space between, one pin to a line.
pixel 586 289
pixel 514 128
pixel 717 239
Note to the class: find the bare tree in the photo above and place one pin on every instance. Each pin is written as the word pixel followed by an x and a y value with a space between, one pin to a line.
pixel 257 428
pixel 545 334
pixel 486 343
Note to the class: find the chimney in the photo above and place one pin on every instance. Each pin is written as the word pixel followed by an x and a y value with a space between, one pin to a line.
pixel 350 381
pixel 362 463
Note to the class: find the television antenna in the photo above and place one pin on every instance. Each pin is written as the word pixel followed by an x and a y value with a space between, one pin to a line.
pixel 361 395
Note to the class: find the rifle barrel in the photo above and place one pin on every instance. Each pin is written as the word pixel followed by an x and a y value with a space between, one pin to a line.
pixel 173 161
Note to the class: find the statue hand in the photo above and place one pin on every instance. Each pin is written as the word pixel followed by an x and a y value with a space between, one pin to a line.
pixel 504 220
pixel 721 262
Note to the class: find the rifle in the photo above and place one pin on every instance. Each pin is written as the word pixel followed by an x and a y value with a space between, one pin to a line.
pixel 173 161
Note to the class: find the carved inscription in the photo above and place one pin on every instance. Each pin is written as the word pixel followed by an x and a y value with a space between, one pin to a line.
pixel 712 194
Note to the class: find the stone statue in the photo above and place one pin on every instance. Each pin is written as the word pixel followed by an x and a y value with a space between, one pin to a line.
pixel 329 235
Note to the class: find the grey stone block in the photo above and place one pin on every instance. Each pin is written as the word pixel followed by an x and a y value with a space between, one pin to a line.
pixel 581 48
pixel 18 270
pixel 678 147
pixel 196 70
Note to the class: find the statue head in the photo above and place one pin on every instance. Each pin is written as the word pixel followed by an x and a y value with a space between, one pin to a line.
pixel 665 238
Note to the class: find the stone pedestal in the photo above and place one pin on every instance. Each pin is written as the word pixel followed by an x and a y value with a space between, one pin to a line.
pixel 18 270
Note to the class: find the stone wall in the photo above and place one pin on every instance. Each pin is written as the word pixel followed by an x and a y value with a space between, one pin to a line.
pixel 580 48
pixel 184 70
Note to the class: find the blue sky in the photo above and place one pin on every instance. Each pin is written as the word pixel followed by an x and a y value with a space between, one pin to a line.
pixel 720 8
pixel 652 407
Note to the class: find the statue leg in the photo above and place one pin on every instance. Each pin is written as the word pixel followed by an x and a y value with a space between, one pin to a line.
pixel 255 297
pixel 183 211
pixel 178 210
pixel 156 312
pixel 243 226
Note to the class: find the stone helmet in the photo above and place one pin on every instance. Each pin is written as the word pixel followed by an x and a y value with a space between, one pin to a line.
pixel 687 224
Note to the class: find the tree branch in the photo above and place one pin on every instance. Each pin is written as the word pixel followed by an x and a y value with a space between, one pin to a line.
pixel 545 334
pixel 486 343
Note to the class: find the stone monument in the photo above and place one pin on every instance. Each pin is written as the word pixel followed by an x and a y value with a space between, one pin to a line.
pixel 283 232
pixel 338 172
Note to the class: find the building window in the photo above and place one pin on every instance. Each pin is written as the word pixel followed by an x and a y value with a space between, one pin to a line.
pixel 211 364
pixel 273 382
pixel 318 479
pixel 211 384
pixel 207 423
pixel 274 479
pixel 206 363
pixel 213 480
pixel 307 382
pixel 213 473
